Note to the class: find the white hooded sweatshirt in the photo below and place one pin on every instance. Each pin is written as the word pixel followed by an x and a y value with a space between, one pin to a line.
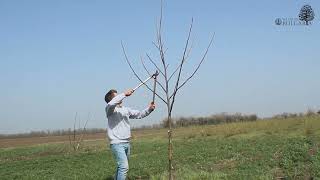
pixel 118 126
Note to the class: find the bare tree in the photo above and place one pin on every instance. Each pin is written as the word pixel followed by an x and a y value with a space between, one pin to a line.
pixel 169 89
pixel 77 135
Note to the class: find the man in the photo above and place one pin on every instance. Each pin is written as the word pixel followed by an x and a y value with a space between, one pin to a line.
pixel 118 128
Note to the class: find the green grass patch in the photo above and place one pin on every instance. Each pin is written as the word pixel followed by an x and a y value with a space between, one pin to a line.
pixel 270 149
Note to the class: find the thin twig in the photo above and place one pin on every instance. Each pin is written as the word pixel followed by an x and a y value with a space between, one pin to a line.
pixel 150 59
pixel 145 68
pixel 194 72
pixel 187 56
pixel 162 58
pixel 83 132
pixel 165 51
pixel 74 131
pixel 181 65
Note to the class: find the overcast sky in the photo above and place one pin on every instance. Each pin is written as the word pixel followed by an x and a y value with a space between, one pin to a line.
pixel 60 57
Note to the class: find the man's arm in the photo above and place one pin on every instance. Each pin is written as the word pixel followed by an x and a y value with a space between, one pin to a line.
pixel 136 114
pixel 114 102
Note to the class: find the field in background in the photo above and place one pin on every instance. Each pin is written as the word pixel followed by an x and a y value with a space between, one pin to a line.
pixel 267 149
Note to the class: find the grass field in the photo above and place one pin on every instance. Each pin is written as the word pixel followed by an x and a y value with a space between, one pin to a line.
pixel 267 149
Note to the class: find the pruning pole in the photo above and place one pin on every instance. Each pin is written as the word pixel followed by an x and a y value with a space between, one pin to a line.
pixel 144 82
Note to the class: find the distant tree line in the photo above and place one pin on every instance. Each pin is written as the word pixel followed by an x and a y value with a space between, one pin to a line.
pixel 59 132
pixel 210 120
pixel 177 122
pixel 286 115
pixel 233 117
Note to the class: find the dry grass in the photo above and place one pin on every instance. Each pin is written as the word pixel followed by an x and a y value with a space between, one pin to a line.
pixel 304 125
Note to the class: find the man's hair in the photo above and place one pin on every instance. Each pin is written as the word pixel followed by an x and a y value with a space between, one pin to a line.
pixel 108 97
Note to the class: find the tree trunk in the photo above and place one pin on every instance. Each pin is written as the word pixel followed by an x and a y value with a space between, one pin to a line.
pixel 170 147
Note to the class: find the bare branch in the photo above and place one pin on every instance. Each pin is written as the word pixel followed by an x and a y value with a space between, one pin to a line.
pixel 74 129
pixel 162 58
pixel 137 76
pixel 173 73
pixel 72 141
pixel 83 132
pixel 160 43
pixel 195 71
pixel 189 51
pixel 150 59
pixel 159 48
pixel 181 65
pixel 160 25
pixel 187 56
pixel 145 68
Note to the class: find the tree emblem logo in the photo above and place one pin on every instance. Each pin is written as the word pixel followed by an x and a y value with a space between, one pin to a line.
pixel 306 14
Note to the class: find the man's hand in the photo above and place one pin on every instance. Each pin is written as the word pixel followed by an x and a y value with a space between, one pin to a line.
pixel 152 106
pixel 128 92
